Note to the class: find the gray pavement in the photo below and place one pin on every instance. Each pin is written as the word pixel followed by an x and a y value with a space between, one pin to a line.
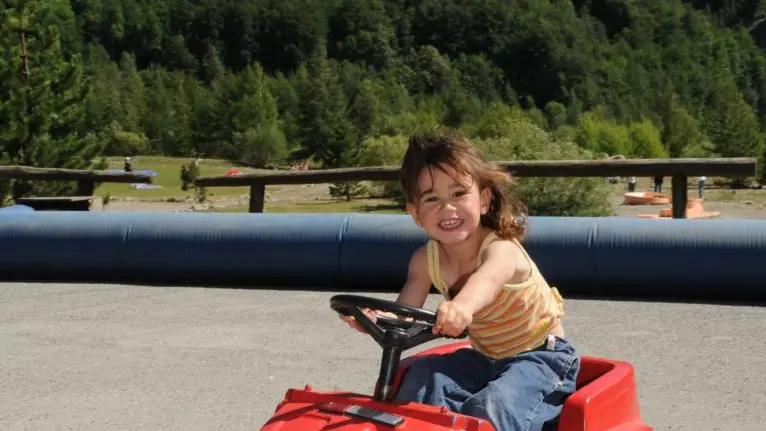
pixel 113 357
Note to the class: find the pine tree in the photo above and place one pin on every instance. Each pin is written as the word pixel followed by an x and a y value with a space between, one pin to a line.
pixel 680 131
pixel 42 94
pixel 258 139
pixel 328 135
pixel 731 124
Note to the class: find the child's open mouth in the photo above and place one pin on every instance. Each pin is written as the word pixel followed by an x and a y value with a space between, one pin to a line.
pixel 450 224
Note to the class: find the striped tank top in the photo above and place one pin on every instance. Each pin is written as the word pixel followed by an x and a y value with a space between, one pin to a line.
pixel 519 318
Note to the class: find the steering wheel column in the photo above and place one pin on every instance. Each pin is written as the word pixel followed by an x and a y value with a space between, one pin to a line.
pixel 393 335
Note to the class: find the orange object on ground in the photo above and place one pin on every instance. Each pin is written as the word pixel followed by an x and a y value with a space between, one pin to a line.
pixel 646 198
pixel 694 209
pixel 233 172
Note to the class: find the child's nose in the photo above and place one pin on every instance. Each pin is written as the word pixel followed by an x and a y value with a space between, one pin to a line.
pixel 447 205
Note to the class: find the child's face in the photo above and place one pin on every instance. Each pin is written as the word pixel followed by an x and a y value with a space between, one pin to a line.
pixel 449 208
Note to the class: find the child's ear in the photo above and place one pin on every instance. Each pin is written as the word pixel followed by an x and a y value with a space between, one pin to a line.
pixel 412 210
pixel 486 199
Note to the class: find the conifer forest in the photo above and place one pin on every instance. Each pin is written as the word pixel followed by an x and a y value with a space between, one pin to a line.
pixel 269 83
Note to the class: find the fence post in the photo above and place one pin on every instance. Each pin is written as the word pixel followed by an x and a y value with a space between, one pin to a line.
pixel 86 187
pixel 680 198
pixel 257 197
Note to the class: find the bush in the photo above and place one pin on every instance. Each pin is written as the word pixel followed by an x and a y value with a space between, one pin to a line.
pixel 384 151
pixel 189 174
pixel 260 147
pixel 514 136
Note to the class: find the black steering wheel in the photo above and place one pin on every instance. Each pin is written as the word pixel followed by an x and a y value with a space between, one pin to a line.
pixel 393 335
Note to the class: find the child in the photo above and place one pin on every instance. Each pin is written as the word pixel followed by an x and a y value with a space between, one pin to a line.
pixel 520 369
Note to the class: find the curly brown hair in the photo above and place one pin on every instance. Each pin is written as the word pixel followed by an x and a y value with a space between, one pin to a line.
pixel 434 151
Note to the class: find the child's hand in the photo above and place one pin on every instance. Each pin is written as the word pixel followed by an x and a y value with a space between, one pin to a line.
pixel 352 322
pixel 452 318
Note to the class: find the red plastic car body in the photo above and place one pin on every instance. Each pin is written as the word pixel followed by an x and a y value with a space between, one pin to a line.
pixel 606 399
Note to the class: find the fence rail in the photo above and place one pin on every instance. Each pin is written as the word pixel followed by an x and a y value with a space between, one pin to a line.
pixel 678 169
pixel 86 180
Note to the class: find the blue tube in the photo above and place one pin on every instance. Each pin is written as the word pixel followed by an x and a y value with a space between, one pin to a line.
pixel 601 256
pixel 16 208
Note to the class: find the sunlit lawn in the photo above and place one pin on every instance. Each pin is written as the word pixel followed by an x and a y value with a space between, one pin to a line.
pixel 168 171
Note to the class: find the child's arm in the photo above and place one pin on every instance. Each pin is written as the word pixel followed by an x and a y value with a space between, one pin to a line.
pixel 496 270
pixel 479 290
pixel 413 293
pixel 415 290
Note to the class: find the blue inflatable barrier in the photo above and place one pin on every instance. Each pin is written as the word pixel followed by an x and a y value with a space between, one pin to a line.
pixel 16 208
pixel 604 256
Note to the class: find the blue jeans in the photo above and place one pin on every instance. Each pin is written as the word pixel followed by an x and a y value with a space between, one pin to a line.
pixel 521 393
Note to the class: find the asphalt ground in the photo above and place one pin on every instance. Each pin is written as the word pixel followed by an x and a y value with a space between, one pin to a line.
pixel 115 357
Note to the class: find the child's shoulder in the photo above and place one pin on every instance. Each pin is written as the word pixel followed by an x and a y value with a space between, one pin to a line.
pixel 419 261
pixel 494 245
pixel 420 255
pixel 507 253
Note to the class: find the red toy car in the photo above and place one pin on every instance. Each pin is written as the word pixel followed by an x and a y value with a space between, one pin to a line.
pixel 606 399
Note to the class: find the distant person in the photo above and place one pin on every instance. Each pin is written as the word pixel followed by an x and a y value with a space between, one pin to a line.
pixel 632 184
pixel 128 167
pixel 658 184
pixel 701 186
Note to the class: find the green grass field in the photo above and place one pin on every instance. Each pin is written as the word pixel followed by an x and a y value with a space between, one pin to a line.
pixel 169 177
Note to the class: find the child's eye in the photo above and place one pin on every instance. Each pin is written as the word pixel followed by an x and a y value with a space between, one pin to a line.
pixel 459 193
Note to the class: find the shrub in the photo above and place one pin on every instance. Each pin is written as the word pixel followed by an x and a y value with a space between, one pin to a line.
pixel 514 136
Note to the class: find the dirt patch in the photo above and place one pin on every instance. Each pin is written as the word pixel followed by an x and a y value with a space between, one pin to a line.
pixel 745 209
pixel 274 194
pixel 727 210
pixel 297 193
pixel 138 206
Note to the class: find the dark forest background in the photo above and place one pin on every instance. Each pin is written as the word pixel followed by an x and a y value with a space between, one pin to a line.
pixel 344 82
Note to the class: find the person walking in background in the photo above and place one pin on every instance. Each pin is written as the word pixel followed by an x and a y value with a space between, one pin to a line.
pixel 632 184
pixel 658 184
pixel 701 186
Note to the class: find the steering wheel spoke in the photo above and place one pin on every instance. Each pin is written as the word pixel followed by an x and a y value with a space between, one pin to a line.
pixel 374 330
pixel 420 335
pixel 417 328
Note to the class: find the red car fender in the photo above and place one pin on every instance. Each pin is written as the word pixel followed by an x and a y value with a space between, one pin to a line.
pixel 606 398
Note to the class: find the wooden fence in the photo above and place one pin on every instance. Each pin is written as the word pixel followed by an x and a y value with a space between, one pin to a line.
pixel 86 184
pixel 678 169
